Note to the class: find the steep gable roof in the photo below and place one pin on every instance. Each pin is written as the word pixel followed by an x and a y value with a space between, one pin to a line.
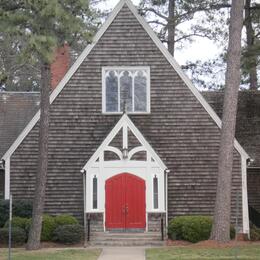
pixel 89 48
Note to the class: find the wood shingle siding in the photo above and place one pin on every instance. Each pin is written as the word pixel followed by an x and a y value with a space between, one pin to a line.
pixel 178 128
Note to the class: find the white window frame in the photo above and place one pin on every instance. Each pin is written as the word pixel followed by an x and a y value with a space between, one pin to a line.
pixel 147 68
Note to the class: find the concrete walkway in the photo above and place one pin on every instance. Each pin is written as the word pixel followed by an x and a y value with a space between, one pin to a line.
pixel 122 253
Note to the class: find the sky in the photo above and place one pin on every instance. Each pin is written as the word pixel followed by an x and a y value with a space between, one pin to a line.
pixel 200 49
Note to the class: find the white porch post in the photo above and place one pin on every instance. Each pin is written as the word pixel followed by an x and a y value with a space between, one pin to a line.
pixel 245 213
pixel 84 173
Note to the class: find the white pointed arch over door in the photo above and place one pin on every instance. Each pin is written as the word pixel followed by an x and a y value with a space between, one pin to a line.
pixel 110 160
pixel 125 125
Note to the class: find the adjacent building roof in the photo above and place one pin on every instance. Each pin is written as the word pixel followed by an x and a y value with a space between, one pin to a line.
pixel 16 111
pixel 248 120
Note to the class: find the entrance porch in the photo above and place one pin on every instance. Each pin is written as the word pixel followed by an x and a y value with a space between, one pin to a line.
pixel 125 184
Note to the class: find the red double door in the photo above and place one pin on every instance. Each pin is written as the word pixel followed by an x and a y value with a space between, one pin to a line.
pixel 125 202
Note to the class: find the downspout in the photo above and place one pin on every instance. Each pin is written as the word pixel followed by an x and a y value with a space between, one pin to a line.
pixel 2 167
pixel 84 173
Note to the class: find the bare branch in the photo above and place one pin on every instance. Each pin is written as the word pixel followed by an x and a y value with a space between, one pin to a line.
pixel 191 35
pixel 155 12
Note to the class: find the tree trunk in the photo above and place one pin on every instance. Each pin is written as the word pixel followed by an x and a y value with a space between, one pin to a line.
pixel 171 26
pixel 250 37
pixel 221 223
pixel 41 177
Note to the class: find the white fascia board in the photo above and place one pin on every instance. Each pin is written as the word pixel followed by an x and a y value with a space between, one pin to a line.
pixel 88 49
pixel 182 75
pixel 105 143
pixel 66 78
pixel 144 143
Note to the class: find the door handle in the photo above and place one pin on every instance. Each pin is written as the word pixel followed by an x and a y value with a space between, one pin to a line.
pixel 126 209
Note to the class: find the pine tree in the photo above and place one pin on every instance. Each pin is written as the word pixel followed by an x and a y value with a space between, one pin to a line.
pixel 44 25
pixel 221 223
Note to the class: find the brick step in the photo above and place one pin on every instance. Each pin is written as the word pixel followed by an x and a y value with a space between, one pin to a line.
pixel 126 235
pixel 126 239
pixel 132 242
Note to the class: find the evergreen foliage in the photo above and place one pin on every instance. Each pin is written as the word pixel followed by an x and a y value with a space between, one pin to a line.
pixel 192 228
pixel 31 30
pixel 48 227
pixel 18 236
pixel 65 219
pixel 21 208
pixel 68 234
pixel 19 222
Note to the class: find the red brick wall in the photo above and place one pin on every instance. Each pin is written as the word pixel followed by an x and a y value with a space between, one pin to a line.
pixel 60 65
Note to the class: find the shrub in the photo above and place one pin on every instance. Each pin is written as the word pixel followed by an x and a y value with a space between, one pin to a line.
pixel 48 227
pixel 175 228
pixel 23 223
pixel 21 208
pixel 64 219
pixel 254 233
pixel 192 228
pixel 4 212
pixel 232 232
pixel 18 236
pixel 68 234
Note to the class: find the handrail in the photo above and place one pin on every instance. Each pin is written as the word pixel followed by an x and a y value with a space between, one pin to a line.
pixel 88 234
pixel 162 228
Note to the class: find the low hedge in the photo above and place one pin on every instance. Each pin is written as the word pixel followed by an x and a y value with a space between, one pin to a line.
pixel 68 234
pixel 23 223
pixel 49 224
pixel 65 219
pixel 18 236
pixel 48 227
pixel 254 233
pixel 192 228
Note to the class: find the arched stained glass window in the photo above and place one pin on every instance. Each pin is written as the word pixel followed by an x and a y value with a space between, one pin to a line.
pixel 140 89
pixel 126 89
pixel 111 91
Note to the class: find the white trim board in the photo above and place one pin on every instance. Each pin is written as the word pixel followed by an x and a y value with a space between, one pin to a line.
pixel 86 52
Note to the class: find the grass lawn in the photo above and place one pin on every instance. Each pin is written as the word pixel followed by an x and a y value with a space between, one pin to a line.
pixel 52 254
pixel 191 252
